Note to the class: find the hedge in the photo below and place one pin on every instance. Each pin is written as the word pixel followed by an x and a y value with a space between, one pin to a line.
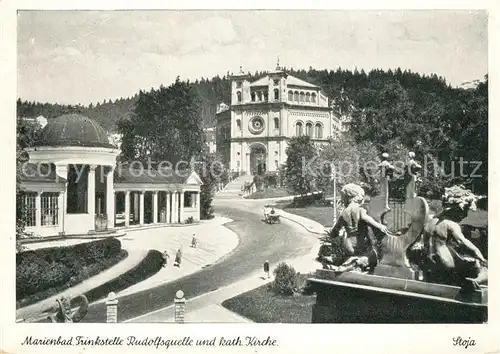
pixel 57 268
pixel 150 265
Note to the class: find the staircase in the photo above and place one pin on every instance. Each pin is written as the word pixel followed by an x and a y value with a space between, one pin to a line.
pixel 233 189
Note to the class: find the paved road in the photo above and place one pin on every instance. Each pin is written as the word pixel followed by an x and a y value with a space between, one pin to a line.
pixel 258 242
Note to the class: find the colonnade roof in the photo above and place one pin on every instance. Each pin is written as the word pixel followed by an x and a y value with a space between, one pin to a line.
pixel 129 174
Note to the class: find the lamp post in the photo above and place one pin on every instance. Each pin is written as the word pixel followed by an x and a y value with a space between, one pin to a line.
pixel 334 180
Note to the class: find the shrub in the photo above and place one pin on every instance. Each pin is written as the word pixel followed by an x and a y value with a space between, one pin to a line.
pixel 47 268
pixel 190 220
pixel 284 280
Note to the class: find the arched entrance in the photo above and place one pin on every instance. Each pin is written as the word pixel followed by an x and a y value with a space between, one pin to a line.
pixel 258 158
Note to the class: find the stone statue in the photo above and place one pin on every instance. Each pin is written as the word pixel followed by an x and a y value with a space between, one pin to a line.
pixel 449 255
pixel 64 313
pixel 359 241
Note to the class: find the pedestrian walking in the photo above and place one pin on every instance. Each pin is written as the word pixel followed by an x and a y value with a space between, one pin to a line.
pixel 165 258
pixel 194 241
pixel 178 259
pixel 266 269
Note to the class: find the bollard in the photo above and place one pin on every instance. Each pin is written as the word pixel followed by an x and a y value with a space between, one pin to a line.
pixel 111 308
pixel 179 306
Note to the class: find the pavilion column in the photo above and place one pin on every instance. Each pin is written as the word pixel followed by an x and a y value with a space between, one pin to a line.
pixel 198 206
pixel 175 218
pixel 181 207
pixel 127 208
pixel 141 206
pixel 110 199
pixel 60 210
pixel 155 207
pixel 38 211
pixel 167 207
pixel 136 207
pixel 91 193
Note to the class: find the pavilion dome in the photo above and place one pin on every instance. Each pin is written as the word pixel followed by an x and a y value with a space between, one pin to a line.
pixel 74 130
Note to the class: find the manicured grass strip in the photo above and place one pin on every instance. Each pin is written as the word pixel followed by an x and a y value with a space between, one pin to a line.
pixel 149 266
pixel 262 306
pixel 269 193
pixel 320 214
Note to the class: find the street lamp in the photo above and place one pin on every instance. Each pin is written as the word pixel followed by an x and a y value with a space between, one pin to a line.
pixel 334 179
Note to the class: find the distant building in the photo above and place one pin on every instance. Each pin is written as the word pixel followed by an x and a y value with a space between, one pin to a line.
pixel 253 132
pixel 40 120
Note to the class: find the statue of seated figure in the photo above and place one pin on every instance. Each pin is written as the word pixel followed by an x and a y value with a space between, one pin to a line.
pixel 359 240
pixel 450 256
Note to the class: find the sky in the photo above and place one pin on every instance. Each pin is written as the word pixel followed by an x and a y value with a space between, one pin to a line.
pixel 72 57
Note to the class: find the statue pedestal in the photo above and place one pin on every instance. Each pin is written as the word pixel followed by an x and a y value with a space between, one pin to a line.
pixel 364 298
pixel 396 272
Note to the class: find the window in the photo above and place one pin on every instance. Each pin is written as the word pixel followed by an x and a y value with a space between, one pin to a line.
pixel 319 131
pixel 302 97
pixel 276 123
pixel 296 96
pixel 265 96
pixel 298 129
pixel 309 128
pixel 276 82
pixel 313 97
pixel 49 208
pixel 276 94
pixel 259 94
pixel 30 209
pixel 238 84
pixel 308 97
pixel 238 124
pixel 290 95
pixel 253 96
pixel 239 96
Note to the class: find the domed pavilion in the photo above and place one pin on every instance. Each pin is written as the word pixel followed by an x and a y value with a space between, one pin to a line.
pixel 73 184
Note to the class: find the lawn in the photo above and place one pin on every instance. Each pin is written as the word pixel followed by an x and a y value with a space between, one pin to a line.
pixel 320 213
pixel 261 305
pixel 269 193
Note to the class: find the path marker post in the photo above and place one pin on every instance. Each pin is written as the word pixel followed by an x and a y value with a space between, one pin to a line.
pixel 111 308
pixel 179 306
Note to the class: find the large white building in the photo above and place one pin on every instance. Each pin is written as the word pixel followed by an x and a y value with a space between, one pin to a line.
pixel 253 132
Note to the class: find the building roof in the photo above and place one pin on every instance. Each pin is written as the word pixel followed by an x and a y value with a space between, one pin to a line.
pixel 74 130
pixel 292 80
pixel 129 174
pixel 31 172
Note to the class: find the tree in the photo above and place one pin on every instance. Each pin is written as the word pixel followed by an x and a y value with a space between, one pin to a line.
pixel 301 168
pixel 27 132
pixel 210 169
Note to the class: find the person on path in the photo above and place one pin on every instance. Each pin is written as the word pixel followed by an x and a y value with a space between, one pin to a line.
pixel 165 258
pixel 194 241
pixel 178 258
pixel 266 269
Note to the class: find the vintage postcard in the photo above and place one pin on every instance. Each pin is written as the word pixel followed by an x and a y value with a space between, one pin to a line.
pixel 201 179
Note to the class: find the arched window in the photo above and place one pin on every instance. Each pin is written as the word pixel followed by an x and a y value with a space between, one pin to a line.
pixel 276 123
pixel 253 96
pixel 309 129
pixel 319 131
pixel 259 94
pixel 265 96
pixel 290 95
pixel 296 96
pixel 276 94
pixel 308 97
pixel 313 97
pixel 239 96
pixel 302 97
pixel 298 129
pixel 238 124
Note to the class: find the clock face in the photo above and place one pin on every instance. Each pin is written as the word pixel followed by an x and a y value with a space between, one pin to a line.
pixel 256 125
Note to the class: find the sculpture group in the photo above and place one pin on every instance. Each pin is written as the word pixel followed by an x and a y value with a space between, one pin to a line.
pixel 432 247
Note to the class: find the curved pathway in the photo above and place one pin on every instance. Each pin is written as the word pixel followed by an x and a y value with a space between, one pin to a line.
pixel 258 242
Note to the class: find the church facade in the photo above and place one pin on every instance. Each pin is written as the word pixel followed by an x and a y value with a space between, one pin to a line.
pixel 254 130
